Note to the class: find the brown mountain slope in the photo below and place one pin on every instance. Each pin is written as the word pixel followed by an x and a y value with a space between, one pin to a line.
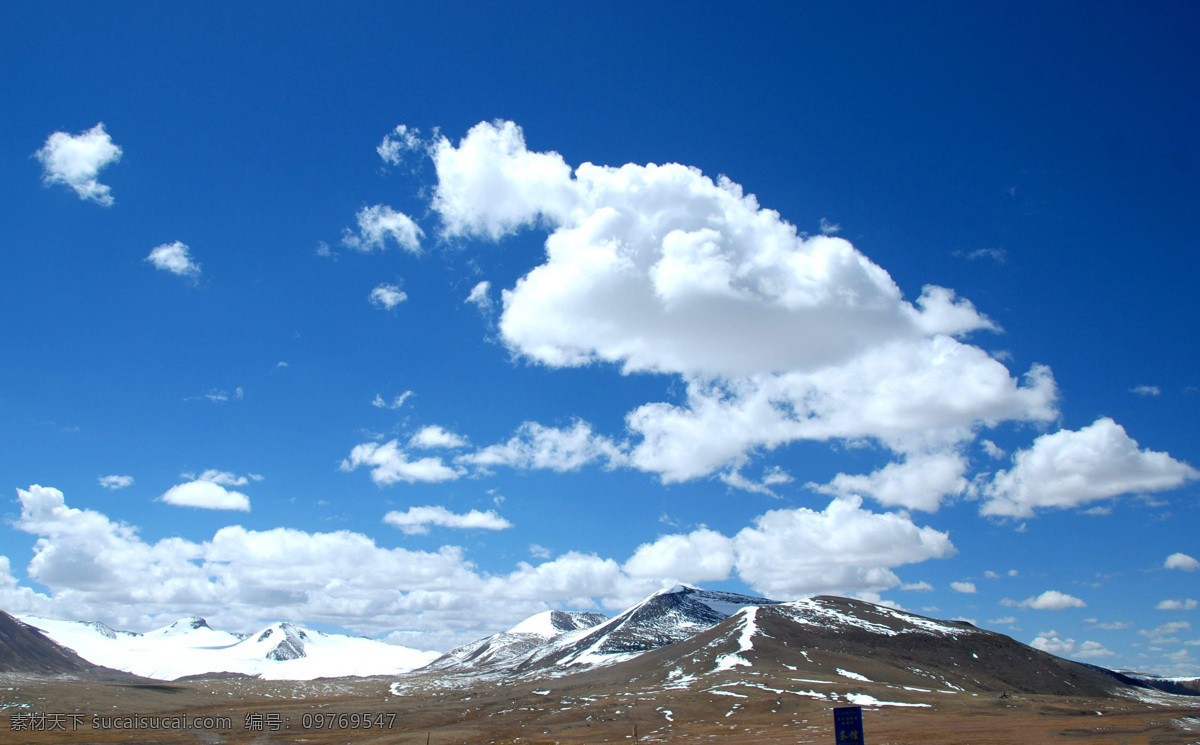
pixel 27 650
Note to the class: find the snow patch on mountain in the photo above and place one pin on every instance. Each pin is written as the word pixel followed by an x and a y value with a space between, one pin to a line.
pixel 189 646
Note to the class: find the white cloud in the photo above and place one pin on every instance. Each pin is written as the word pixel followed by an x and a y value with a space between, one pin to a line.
pixel 115 482
pixel 389 464
pixel 208 491
pixel 1181 561
pixel 96 568
pixel 917 586
pixel 398 142
pixel 387 296
pixel 490 185
pixel 76 160
pixel 174 258
pixel 1068 648
pixel 992 449
pixel 1048 600
pixel 1069 468
pixel 778 336
pixel 700 556
pixel 206 495
pixel 434 436
pixel 771 477
pixel 844 548
pixel 965 587
pixel 918 483
pixel 1006 620
pixel 1163 634
pixel 416 520
pixel 537 446
pixel 479 296
pixel 224 478
pixel 378 223
pixel 539 552
pixel 396 403
pixel 829 228
pixel 1146 390
pixel 1187 604
pixel 912 397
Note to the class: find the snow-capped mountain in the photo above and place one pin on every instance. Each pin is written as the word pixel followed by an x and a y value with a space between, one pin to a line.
pixel 509 648
pixel 833 644
pixel 189 646
pixel 559 642
pixel 666 617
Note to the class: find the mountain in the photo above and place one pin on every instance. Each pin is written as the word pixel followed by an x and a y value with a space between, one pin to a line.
pixel 190 647
pixel 839 648
pixel 26 650
pixel 666 617
pixel 502 651
pixel 557 642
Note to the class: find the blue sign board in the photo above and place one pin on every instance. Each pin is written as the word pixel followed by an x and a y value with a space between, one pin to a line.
pixel 847 725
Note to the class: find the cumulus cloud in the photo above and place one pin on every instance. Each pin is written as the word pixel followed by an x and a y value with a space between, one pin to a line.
pixel 387 296
pixel 778 336
pixel 1146 390
pixel 1068 648
pixel 1181 561
pixel 76 160
pixel 536 446
pixel 96 568
pixel 207 491
pixel 389 464
pixel 115 482
pixel 379 223
pixel 1187 604
pixel 966 587
pixel 700 556
pixel 917 586
pixel 919 482
pixel 434 436
pixel 174 258
pixel 797 552
pixel 1068 468
pixel 1048 600
pixel 416 520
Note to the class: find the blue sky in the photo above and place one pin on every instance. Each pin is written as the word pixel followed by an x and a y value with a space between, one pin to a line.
pixel 417 321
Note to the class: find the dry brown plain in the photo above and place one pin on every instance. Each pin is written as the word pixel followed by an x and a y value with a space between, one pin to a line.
pixel 578 709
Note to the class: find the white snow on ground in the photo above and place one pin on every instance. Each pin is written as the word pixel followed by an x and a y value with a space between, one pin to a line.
pixel 852 676
pixel 862 699
pixel 540 624
pixel 748 617
pixel 190 647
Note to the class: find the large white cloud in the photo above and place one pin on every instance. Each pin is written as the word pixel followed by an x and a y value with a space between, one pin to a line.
pixel 700 556
pixel 779 336
pixel 1068 468
pixel 844 548
pixel 96 568
pixel 76 160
